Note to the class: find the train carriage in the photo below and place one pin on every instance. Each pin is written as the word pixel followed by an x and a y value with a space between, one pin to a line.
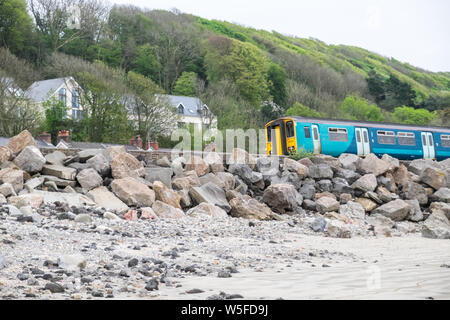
pixel 333 137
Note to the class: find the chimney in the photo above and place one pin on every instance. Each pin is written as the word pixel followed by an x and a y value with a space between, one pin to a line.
pixel 44 136
pixel 153 144
pixel 136 141
pixel 63 135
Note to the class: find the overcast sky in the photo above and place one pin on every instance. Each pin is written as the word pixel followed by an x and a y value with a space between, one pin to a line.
pixel 413 31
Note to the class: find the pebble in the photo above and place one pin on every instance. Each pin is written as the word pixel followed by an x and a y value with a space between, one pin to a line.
pixel 54 287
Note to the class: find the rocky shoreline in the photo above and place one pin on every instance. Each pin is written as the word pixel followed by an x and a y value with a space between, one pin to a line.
pixel 104 224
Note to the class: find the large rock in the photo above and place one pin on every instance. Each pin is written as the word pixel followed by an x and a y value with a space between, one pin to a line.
pixel 198 165
pixel 352 210
pixel 30 199
pixel 434 177
pixel 59 182
pixel 442 195
pixel 207 209
pixel 340 185
pixel 320 171
pixel 5 154
pixel 437 226
pixel 165 211
pixel 106 199
pixel 396 210
pixel 72 199
pixel 166 195
pixel 294 166
pixel 367 182
pixel 186 181
pixel 17 143
pixel 132 192
pixel 392 162
pixel 7 190
pixel 349 175
pixel 326 159
pixel 163 174
pixel 13 177
pixel 268 166
pixel 418 166
pixel 125 165
pixel 444 207
pixel 327 204
pixel 89 179
pixel 338 229
pixel 240 156
pixel 178 165
pixel 225 180
pixel 215 162
pixel 246 207
pixel 401 175
pixel 111 152
pixel 59 171
pixel 210 193
pixel 349 161
pixel 100 164
pixel 367 204
pixel 414 190
pixel 86 154
pixel 282 198
pixel 56 157
pixel 245 173
pixel 371 164
pixel 30 159
pixel 416 213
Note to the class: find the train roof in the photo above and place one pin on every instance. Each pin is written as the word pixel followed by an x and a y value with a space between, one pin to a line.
pixel 371 124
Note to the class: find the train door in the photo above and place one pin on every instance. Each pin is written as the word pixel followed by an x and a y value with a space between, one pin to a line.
pixel 428 145
pixel 316 139
pixel 362 141
pixel 276 141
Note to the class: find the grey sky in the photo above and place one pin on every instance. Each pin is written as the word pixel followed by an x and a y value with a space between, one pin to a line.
pixel 413 31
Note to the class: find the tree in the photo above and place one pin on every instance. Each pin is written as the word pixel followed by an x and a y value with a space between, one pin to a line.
pixel 277 84
pixel 56 117
pixel 356 108
pixel 303 111
pixel 186 84
pixel 146 62
pixel 410 115
pixel 15 24
pixel 376 87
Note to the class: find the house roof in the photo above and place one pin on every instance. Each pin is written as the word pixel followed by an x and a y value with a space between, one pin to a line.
pixel 12 88
pixel 41 90
pixel 191 104
pixel 97 145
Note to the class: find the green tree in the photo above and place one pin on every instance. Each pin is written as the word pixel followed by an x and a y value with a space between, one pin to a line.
pixel 356 108
pixel 300 110
pixel 186 84
pixel 277 84
pixel 146 62
pixel 15 24
pixel 410 115
pixel 56 117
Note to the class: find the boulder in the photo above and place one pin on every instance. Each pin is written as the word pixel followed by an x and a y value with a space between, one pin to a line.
pixel 442 195
pixel 287 177
pixel 132 192
pixel 72 199
pixel 352 210
pixel 30 199
pixel 414 190
pixel 415 214
pixel 338 216
pixel 186 181
pixel 268 166
pixel 397 210
pixel 294 166
pixel 59 171
pixel 437 226
pixel 5 154
pixel 210 193
pixel 282 198
pixel 165 211
pixel 185 198
pixel 30 159
pixel 148 213
pixel 384 195
pixel 198 165
pixel 349 161
pixel 367 204
pixel 338 229
pixel 324 194
pixel 106 199
pixel 207 209
pixel 163 174
pixel 2 199
pixel 166 195
pixel 319 224
pixel 59 182
pixel 56 157
pixel 125 165
pixel 325 185
pixel 392 162
pixel 111 152
pixel 306 162
pixel 321 171
pixel 444 207
pixel 371 164
pixel 215 162
pixel 17 143
pixel 340 185
pixel 418 166
pixel 327 160
pixel 87 154
pixel 246 207
pixel 163 162
pixel 245 173
pixel 131 215
pixel 6 189
pixel 178 165
pixel 434 177
pixel 79 166
pixel 227 180
pixel 89 179
pixel 100 164
pixel 13 177
pixel 327 204
pixel 401 175
pixel 308 191
pixel 345 197
pixel 387 182
pixel 240 156
pixel 367 182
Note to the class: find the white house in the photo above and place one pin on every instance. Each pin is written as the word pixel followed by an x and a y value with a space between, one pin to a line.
pixel 65 89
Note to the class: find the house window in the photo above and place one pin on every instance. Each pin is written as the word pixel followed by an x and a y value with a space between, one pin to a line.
pixel 406 138
pixel 445 140
pixel 307 132
pixel 75 100
pixel 62 95
pixel 386 137
pixel 180 109
pixel 338 134
pixel 290 129
pixel 181 125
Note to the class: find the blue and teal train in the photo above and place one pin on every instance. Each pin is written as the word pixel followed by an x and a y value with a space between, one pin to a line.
pixel 333 137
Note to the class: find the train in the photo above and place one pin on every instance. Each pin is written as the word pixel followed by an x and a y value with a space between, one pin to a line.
pixel 294 135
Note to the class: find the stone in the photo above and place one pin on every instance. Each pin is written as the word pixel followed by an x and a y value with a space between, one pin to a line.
pixel 338 216
pixel 51 186
pixel 210 193
pixel 327 160
pixel 282 198
pixel 226 180
pixel 327 204
pixel 215 162
pixel 387 182
pixel 367 204
pixel 166 211
pixel 3 262
pixel 437 226
pixel 7 190
pixel 340 185
pixel 56 157
pixel 13 177
pixel 106 199
pixel 245 173
pixel 30 159
pixel 397 210
pixel 69 189
pixel 371 164
pixel 442 195
pixel 384 195
pixel 306 162
pixel 2 199
pixel 54 287
pixel 100 164
pixel 72 262
pixel 321 171
pixel 308 191
pixel 418 166
pixel 186 181
pixel 345 197
pixel 72 199
pixel 240 156
pixel 178 165
pixel 79 166
pixel 131 215
pixel 207 209
pixel 198 165
pixel 338 229
pixel 17 143
pixel 246 207
pixel 444 207
pixel 125 165
pixel 83 218
pixel 392 162
pixel 268 166
pixel 133 192
pixel 352 210
pixel 5 154
pixel 324 194
pixel 110 216
pixel 414 190
pixel 319 224
pixel 164 162
pixel 163 174
pixel 60 182
pixel 367 182
pixel 59 172
pixel 31 199
pixel 147 213
pixel 166 195
pixel 33 183
pixel 415 214
pixel 185 198
pixel 401 175
pixel 294 166
pixel 433 177
pixel 349 161
pixel 349 175
pixel 89 179
pixel 286 177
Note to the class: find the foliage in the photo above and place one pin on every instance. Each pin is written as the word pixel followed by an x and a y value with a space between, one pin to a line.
pixel 356 108
pixel 410 115
pixel 300 110
pixel 56 117
pixel 302 153
pixel 186 84
pixel 15 25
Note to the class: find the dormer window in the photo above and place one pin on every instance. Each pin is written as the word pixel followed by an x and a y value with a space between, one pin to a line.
pixel 75 99
pixel 180 109
pixel 62 95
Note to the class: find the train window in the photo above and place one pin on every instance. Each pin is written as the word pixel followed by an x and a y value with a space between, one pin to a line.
pixel 307 132
pixel 290 129
pixel 338 134
pixel 386 137
pixel 269 134
pixel 445 140
pixel 315 134
pixel 430 140
pixel 406 138
pixel 358 136
pixel 424 140
pixel 366 138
